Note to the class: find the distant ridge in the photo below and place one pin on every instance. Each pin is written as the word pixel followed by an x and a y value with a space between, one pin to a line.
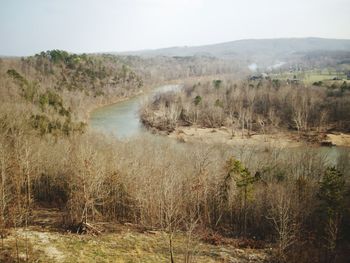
pixel 252 48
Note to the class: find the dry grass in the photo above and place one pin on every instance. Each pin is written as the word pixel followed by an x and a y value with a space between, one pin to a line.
pixel 126 246
pixel 340 139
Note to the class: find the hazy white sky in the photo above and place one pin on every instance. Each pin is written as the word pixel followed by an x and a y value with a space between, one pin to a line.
pixel 30 26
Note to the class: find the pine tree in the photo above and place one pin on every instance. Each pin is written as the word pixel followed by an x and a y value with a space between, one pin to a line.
pixel 244 182
pixel 332 197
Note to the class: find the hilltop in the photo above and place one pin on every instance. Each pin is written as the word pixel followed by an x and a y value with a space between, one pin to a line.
pixel 262 51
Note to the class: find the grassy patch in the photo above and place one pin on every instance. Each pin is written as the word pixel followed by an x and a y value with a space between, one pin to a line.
pixel 126 246
pixel 310 77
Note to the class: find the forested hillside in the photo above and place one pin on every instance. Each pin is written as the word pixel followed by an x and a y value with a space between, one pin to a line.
pixel 253 47
pixel 304 52
pixel 163 68
pixel 198 202
pixel 52 91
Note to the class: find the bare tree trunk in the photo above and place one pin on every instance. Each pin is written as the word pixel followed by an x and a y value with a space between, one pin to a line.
pixel 171 249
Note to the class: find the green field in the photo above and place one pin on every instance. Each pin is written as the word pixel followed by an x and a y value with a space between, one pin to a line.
pixel 310 77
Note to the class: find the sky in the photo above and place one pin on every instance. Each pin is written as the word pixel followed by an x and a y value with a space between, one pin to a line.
pixel 30 26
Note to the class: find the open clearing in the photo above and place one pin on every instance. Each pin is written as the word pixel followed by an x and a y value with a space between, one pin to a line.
pixel 125 246
pixel 119 243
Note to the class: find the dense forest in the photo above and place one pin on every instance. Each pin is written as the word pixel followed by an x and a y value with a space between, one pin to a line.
pixel 295 202
pixel 253 106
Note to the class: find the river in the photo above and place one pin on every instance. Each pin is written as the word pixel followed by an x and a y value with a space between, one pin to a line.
pixel 122 121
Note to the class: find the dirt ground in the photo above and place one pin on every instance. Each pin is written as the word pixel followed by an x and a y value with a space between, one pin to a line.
pixel 340 139
pixel 44 241
pixel 224 135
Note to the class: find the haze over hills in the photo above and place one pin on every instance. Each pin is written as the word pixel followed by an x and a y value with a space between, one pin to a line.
pixel 232 49
pixel 264 52
pixel 261 51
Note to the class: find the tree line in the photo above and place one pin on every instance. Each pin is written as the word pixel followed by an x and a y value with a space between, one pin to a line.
pixel 252 106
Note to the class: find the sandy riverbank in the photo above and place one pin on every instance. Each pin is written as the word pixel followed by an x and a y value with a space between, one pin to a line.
pixel 223 135
pixel 340 139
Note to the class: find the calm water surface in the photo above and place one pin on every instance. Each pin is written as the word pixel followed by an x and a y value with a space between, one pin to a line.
pixel 122 119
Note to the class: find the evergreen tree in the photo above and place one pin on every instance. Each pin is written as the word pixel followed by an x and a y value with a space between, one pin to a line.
pixel 332 197
pixel 244 182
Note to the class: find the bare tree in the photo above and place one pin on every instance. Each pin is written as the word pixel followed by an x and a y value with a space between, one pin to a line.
pixel 171 207
pixel 281 215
